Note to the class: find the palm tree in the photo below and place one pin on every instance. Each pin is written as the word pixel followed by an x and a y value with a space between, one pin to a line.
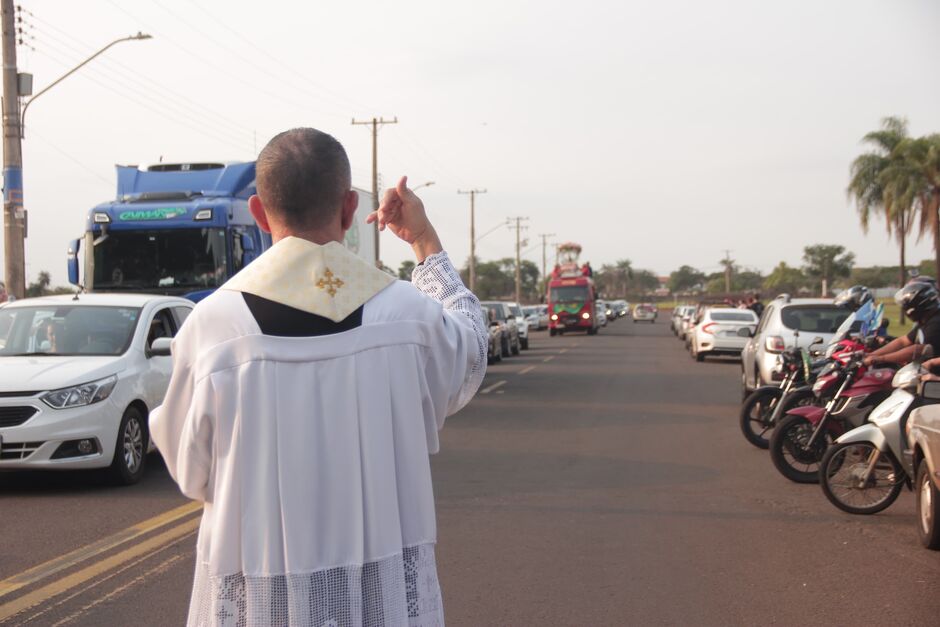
pixel 868 181
pixel 913 180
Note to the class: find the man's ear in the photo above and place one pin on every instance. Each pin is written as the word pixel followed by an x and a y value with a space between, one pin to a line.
pixel 350 203
pixel 258 213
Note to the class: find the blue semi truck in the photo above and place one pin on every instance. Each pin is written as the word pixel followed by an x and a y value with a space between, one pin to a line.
pixel 181 229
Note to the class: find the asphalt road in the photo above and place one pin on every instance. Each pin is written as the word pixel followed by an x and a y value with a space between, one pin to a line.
pixel 593 481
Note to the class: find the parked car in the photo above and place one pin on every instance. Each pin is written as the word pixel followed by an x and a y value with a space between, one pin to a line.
pixel 536 316
pixel 511 344
pixel 78 379
pixel 675 322
pixel 521 324
pixel 686 322
pixel 494 351
pixel 786 322
pixel 923 437
pixel 644 312
pixel 600 312
pixel 722 331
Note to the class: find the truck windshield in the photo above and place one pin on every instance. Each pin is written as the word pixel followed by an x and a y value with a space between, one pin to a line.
pixel 569 294
pixel 161 259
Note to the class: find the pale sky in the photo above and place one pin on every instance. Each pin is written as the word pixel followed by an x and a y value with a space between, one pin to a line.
pixel 660 132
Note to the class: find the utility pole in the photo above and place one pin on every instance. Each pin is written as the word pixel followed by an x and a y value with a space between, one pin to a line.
pixel 376 123
pixel 728 263
pixel 14 216
pixel 519 245
pixel 545 237
pixel 473 235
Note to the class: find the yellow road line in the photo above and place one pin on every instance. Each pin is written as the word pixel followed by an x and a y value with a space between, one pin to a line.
pixel 55 588
pixel 58 564
pixel 160 568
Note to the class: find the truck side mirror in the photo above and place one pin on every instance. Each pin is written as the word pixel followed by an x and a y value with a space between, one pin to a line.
pixel 74 247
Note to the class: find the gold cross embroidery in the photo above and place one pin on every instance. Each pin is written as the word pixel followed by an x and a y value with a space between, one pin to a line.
pixel 330 284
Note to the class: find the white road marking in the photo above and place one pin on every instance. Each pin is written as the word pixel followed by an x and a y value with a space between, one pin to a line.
pixel 490 388
pixel 563 351
pixel 548 359
pixel 525 370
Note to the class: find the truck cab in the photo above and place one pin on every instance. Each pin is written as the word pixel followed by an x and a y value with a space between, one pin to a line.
pixel 181 229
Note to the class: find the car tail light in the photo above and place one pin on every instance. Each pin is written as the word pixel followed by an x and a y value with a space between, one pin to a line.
pixel 775 344
pixel 707 328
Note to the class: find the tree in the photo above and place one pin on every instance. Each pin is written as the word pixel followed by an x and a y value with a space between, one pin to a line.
pixel 827 262
pixel 405 269
pixel 871 188
pixel 729 267
pixel 784 280
pixel 912 179
pixel 644 281
pixel 685 279
pixel 41 286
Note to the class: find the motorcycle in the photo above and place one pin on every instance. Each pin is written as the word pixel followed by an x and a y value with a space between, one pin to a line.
pixel 847 392
pixel 764 407
pixel 866 469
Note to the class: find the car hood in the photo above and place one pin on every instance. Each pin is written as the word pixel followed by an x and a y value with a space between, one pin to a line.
pixel 41 373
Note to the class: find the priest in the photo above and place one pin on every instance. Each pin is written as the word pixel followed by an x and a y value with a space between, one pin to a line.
pixel 306 396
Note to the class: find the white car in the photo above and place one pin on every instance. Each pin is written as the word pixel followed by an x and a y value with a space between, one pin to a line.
pixel 536 316
pixel 521 323
pixel 78 380
pixel 721 331
pixel 600 312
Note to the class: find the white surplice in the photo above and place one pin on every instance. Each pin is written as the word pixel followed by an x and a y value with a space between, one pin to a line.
pixel 311 454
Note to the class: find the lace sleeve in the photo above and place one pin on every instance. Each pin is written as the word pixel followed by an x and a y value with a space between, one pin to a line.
pixel 438 278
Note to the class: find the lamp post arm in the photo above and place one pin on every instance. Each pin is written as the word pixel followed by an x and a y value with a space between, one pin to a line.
pixel 72 71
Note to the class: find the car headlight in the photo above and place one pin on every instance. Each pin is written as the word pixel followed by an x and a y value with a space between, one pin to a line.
pixel 80 395
pixel 554 316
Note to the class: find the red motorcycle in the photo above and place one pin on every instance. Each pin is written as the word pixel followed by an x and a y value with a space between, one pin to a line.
pixel 847 393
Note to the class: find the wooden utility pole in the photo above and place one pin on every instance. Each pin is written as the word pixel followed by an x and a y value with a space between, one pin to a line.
pixel 519 245
pixel 473 235
pixel 376 123
pixel 545 237
pixel 14 216
pixel 728 264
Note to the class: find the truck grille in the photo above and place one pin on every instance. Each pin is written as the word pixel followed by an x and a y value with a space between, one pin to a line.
pixel 18 450
pixel 15 416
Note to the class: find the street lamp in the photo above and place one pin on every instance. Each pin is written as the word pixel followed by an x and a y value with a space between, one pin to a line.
pixel 137 37
pixel 428 184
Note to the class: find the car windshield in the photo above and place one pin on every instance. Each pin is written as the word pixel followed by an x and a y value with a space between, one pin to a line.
pixel 497 310
pixel 569 294
pixel 813 318
pixel 733 316
pixel 160 259
pixel 66 330
pixel 515 310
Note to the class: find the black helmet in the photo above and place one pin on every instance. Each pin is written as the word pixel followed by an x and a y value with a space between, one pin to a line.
pixel 918 299
pixel 853 298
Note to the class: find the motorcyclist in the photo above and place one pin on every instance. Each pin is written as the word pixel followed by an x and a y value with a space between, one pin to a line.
pixel 920 301
pixel 853 297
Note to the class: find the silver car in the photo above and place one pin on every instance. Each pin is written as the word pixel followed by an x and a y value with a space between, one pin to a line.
pixel 721 331
pixel 786 322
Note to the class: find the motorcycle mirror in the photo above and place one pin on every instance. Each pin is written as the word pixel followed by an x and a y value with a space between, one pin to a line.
pixel 818 340
pixel 930 390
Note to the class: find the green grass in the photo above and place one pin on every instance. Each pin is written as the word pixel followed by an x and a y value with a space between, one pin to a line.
pixel 893 315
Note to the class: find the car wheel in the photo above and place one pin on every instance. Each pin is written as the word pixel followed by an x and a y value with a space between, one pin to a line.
pixel 130 449
pixel 525 344
pixel 504 347
pixel 928 508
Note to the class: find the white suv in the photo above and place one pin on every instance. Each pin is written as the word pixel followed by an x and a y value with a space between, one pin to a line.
pixel 521 323
pixel 786 322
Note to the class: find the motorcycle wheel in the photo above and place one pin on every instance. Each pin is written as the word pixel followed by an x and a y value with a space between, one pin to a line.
pixel 841 472
pixel 755 416
pixel 928 508
pixel 789 451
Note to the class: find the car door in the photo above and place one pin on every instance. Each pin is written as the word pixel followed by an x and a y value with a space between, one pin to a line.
pixel 752 351
pixel 157 369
